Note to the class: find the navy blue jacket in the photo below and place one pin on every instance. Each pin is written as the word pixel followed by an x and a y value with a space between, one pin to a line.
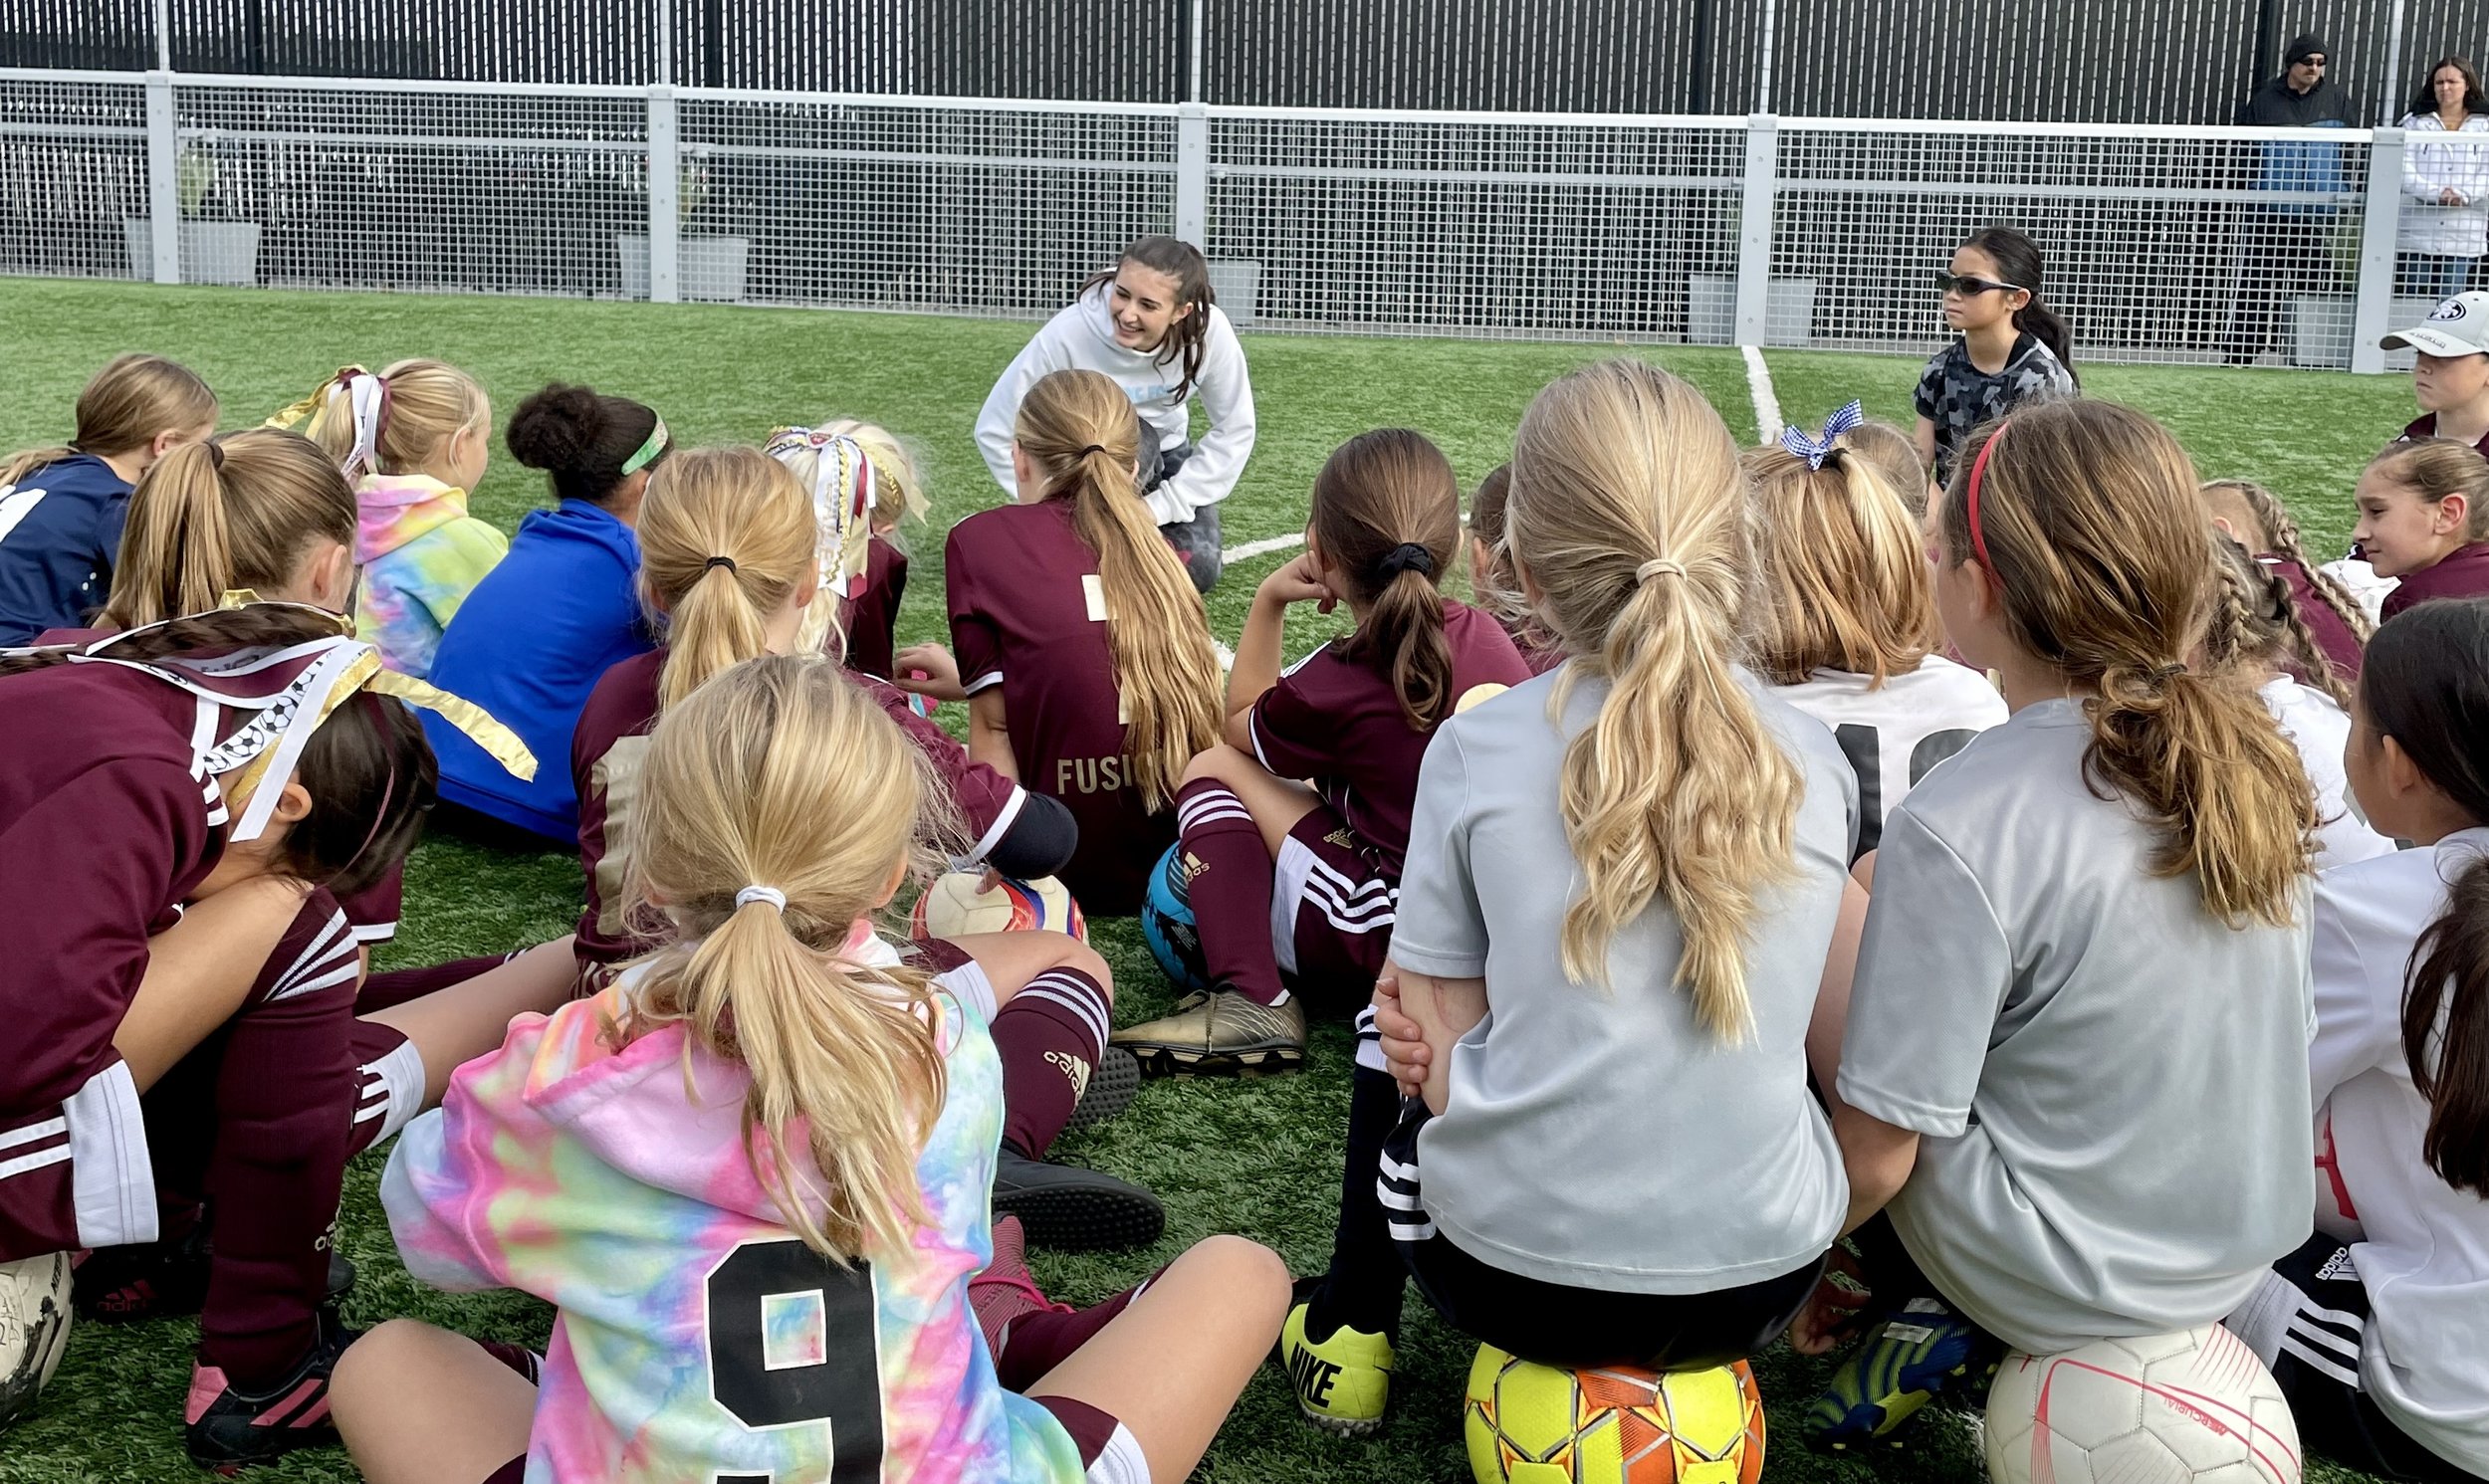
pixel 60 528
pixel 528 645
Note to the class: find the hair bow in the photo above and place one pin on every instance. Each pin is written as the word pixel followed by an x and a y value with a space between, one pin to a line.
pixel 367 401
pixel 1818 448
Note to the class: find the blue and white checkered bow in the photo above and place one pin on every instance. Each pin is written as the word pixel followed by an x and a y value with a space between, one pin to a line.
pixel 1818 448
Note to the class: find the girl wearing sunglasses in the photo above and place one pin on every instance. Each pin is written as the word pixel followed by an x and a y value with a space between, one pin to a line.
pixel 2012 348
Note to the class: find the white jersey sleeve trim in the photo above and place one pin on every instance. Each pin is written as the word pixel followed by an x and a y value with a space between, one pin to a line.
pixel 993 836
pixel 111 1175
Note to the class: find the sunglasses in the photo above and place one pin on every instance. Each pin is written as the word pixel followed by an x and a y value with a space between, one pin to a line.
pixel 1970 287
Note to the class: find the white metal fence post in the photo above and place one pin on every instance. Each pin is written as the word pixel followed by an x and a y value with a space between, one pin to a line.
pixel 2373 301
pixel 164 178
pixel 665 201
pixel 1754 229
pixel 1193 174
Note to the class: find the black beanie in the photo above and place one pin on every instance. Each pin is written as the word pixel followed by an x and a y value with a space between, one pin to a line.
pixel 2304 47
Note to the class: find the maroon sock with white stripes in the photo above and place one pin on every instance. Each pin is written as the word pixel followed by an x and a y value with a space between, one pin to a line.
pixel 283 1113
pixel 1050 1035
pixel 1229 889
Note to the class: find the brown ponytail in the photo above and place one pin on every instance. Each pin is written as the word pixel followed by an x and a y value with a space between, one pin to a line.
pixel 2425 683
pixel 369 773
pixel 122 411
pixel 1079 431
pixel 1387 513
pixel 238 511
pixel 2094 531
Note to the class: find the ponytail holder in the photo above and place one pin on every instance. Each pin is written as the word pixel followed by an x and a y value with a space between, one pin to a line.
pixel 1408 557
pixel 727 562
pixel 1970 497
pixel 1818 448
pixel 2163 674
pixel 216 455
pixel 757 893
pixel 1093 447
pixel 1658 566
pixel 367 400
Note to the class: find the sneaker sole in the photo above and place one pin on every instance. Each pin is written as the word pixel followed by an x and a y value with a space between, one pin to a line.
pixel 1340 1426
pixel 1248 1061
pixel 1113 1083
pixel 1072 1218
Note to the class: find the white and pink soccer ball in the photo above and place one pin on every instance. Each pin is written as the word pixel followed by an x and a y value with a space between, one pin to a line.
pixel 2193 1407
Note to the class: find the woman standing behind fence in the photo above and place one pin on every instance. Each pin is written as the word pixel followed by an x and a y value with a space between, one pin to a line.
pixel 2446 185
pixel 1151 323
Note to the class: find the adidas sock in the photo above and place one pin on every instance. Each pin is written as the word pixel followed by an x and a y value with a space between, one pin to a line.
pixel 1050 1037
pixel 1230 889
pixel 283 1116
pixel 1363 1287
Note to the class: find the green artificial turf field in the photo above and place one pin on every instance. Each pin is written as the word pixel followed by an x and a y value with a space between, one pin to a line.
pixel 1259 1157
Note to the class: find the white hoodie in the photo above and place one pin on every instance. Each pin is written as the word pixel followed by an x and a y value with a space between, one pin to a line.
pixel 1082 336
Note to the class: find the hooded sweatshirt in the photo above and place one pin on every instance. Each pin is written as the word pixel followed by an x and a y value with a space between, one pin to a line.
pixel 697 1338
pixel 529 645
pixel 1082 337
pixel 421 553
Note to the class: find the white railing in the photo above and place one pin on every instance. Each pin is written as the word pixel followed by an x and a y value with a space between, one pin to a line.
pixel 2163 242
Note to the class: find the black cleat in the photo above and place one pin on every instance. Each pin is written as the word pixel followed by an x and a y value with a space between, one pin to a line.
pixel 1074 1210
pixel 230 1429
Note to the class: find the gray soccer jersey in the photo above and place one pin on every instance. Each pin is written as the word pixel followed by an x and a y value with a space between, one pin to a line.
pixel 2111 1083
pixel 1599 1136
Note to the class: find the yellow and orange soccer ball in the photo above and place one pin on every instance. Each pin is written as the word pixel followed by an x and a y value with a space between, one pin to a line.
pixel 1542 1424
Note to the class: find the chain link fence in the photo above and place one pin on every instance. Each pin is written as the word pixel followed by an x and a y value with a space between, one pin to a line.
pixel 2163 243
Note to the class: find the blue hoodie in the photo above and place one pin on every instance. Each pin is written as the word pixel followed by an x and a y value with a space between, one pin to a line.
pixel 60 528
pixel 528 645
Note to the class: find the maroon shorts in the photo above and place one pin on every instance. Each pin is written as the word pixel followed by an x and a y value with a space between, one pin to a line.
pixel 1331 911
pixel 77 1174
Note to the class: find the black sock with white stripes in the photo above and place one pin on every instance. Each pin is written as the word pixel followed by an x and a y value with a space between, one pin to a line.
pixel 1363 1287
pixel 1050 1037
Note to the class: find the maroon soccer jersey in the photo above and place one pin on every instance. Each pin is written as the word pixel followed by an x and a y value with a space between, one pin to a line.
pixel 1336 722
pixel 2461 573
pixel 104 830
pixel 1026 614
pixel 872 619
pixel 611 745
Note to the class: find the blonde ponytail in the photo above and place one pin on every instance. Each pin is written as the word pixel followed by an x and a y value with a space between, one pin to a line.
pixel 424 404
pixel 1627 509
pixel 726 537
pixel 238 511
pixel 1079 430
pixel 781 773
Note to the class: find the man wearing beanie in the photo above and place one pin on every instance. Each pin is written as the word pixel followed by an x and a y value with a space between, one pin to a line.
pixel 2285 249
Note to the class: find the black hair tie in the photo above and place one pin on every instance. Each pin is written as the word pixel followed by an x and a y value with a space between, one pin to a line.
pixel 215 456
pixel 2163 674
pixel 727 562
pixel 1094 448
pixel 1408 557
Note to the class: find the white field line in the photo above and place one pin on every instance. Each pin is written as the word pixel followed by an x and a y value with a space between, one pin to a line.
pixel 1758 382
pixel 1251 549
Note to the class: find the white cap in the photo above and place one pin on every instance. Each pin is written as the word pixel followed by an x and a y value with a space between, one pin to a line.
pixel 2460 327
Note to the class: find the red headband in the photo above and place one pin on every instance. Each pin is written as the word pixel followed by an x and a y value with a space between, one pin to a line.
pixel 1970 497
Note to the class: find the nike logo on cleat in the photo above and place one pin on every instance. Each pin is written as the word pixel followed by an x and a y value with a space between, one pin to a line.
pixel 1313 1376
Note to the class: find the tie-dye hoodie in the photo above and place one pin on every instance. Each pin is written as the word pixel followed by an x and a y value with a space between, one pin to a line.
pixel 421 553
pixel 697 1338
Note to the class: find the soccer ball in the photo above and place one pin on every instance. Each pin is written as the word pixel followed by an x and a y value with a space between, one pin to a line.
pixel 953 908
pixel 2193 1407
pixel 1527 1423
pixel 34 1328
pixel 1167 924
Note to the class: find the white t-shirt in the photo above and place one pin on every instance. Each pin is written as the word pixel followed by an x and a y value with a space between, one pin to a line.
pixel 2319 730
pixel 1082 337
pixel 2424 1250
pixel 2116 1136
pixel 1894 733
pixel 1601 1136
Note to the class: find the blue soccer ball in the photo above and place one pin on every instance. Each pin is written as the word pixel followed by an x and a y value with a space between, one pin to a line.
pixel 1167 924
